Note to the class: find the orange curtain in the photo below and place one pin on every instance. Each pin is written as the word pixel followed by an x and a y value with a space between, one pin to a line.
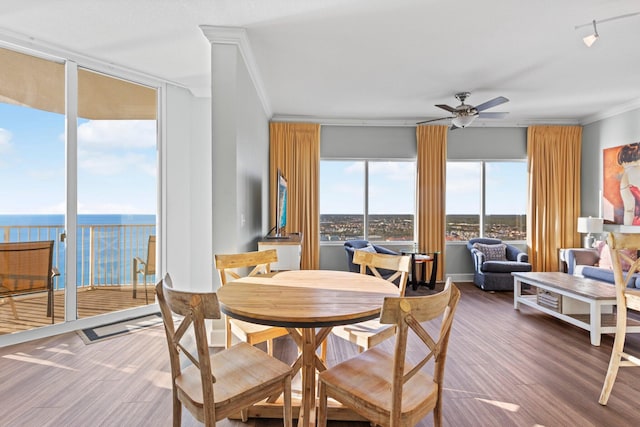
pixel 554 155
pixel 295 150
pixel 431 190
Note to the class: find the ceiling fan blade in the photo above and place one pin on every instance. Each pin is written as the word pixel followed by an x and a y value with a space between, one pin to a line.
pixel 434 120
pixel 446 107
pixel 491 115
pixel 491 103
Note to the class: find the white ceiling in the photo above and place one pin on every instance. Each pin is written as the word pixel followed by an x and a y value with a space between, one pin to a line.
pixel 369 60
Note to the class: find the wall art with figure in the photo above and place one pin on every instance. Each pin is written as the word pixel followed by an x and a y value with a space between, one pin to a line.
pixel 621 185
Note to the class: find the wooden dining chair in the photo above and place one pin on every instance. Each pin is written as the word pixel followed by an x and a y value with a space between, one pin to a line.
pixel 385 387
pixel 145 267
pixel 215 386
pixel 367 334
pixel 260 263
pixel 622 246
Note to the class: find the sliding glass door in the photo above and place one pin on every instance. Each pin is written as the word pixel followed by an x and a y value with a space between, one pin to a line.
pixel 117 171
pixel 32 189
pixel 99 179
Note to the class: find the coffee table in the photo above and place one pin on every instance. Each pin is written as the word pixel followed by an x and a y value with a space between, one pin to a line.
pixel 585 303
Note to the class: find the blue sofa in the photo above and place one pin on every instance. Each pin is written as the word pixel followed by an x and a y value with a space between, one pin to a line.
pixel 495 275
pixel 584 262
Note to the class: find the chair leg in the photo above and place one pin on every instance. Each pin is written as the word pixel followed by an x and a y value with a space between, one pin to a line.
pixel 177 410
pixel 322 405
pixel 323 350
pixel 50 306
pixel 228 334
pixel 437 413
pixel 286 410
pixel 134 279
pixel 270 347
pixel 13 307
pixel 146 296
pixel 244 415
pixel 616 356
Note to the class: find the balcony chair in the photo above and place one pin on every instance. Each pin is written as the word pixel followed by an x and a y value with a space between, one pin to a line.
pixel 27 267
pixel 627 298
pixel 227 265
pixel 215 386
pixel 367 334
pixel 350 246
pixel 386 388
pixel 146 268
pixel 493 263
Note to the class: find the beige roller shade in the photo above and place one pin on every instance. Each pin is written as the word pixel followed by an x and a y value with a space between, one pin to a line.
pixel 39 83
pixel 31 82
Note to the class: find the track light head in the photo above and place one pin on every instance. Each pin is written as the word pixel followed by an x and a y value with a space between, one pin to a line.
pixel 591 38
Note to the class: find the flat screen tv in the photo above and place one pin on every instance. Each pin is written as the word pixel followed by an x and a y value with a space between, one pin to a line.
pixel 281 205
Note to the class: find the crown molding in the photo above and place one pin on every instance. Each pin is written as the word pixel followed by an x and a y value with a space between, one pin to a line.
pixel 238 36
pixel 620 109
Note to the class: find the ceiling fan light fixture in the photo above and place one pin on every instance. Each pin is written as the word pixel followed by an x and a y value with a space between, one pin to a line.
pixel 463 121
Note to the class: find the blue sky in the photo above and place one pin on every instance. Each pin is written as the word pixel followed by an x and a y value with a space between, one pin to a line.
pixel 116 164
pixel 506 188
pixel 392 187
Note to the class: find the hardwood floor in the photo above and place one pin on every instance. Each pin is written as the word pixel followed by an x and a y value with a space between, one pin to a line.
pixel 504 368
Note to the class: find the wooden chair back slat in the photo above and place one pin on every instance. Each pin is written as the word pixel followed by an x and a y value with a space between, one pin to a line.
pixel 374 262
pixel 260 261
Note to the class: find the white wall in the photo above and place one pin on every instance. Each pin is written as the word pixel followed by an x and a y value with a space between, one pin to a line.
pixel 240 148
pixel 186 223
pixel 239 161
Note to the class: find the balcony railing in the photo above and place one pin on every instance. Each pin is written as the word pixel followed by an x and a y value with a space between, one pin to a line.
pixel 104 255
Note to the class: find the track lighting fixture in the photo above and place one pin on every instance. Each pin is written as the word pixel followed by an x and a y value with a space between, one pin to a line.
pixel 591 38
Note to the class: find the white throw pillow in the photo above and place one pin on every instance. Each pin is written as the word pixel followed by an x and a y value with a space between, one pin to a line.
pixel 368 248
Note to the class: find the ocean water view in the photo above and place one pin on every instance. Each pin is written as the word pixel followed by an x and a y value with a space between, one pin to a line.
pixel 107 244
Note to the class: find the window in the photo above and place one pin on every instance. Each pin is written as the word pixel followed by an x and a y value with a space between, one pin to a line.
pixel 487 199
pixel 367 199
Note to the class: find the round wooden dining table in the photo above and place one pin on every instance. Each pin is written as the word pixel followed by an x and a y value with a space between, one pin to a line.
pixel 308 303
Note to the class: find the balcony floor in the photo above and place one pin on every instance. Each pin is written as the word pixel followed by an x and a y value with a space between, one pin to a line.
pixel 32 309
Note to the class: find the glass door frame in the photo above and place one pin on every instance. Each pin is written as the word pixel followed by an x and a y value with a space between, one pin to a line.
pixel 70 238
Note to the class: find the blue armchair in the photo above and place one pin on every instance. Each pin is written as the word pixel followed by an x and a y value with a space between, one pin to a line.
pixel 351 245
pixel 493 263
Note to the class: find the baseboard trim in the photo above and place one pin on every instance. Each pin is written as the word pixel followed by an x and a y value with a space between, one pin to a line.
pixel 461 277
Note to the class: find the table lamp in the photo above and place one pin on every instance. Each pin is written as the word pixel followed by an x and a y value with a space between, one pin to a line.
pixel 589 225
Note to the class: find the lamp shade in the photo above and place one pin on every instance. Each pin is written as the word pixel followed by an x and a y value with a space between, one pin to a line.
pixel 590 39
pixel 590 225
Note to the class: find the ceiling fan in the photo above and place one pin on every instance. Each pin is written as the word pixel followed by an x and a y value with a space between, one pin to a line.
pixel 465 114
